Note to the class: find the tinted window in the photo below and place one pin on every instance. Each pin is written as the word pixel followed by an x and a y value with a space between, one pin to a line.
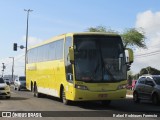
pixel 68 65
pixel 22 78
pixel 157 80
pixel 99 58
pixel 142 80
pixel 68 44
pixel 51 51
pixel 148 82
pixel 59 49
pixel 1 80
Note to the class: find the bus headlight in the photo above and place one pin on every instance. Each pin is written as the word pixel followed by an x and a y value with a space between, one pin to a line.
pixel 82 87
pixel 123 86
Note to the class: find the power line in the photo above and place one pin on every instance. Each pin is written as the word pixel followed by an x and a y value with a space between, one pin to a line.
pixel 157 51
pixel 148 54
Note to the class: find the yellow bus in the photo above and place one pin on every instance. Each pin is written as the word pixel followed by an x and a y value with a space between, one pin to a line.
pixel 87 66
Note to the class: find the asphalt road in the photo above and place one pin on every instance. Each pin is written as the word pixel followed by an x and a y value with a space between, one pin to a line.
pixel 22 101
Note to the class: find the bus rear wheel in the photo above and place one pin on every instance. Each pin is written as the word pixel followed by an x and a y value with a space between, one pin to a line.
pixel 32 87
pixel 63 96
pixel 36 93
pixel 135 97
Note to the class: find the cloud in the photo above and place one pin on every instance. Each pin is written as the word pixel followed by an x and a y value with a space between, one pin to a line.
pixel 149 21
pixel 32 40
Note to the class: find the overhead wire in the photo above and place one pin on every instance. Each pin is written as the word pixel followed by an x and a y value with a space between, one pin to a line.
pixel 147 54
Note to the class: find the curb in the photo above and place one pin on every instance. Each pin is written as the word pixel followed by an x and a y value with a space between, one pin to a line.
pixel 129 96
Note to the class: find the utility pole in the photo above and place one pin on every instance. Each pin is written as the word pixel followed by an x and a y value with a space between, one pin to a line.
pixel 27 37
pixel 12 68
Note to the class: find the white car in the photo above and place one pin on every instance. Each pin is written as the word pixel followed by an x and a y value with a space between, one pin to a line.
pixel 20 83
pixel 7 81
pixel 4 89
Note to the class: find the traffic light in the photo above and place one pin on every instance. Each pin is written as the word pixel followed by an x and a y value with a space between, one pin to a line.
pixel 15 46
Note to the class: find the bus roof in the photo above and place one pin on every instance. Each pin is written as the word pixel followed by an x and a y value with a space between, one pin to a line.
pixel 71 34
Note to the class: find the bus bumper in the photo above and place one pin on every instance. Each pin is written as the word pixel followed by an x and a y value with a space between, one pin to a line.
pixel 85 95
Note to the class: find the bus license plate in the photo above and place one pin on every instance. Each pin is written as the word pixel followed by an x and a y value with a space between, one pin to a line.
pixel 102 95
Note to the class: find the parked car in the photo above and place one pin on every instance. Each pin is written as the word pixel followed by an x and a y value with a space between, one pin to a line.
pixel 4 89
pixel 7 81
pixel 20 83
pixel 147 88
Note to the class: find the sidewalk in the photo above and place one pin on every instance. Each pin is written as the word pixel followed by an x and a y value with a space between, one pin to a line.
pixel 129 94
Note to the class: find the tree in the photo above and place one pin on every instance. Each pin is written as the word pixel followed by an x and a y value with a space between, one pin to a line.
pixel 97 29
pixel 149 70
pixel 100 29
pixel 131 37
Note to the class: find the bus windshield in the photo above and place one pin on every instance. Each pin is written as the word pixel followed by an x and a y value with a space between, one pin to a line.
pixel 99 58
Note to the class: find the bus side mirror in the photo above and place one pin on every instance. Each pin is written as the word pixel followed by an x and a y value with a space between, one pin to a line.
pixel 71 55
pixel 129 56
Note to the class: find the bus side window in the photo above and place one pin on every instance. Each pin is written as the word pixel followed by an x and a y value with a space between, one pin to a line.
pixel 70 77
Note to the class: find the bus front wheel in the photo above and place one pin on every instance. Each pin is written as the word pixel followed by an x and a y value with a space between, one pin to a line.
pixel 63 96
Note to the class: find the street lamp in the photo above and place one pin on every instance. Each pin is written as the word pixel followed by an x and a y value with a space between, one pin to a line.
pixel 12 68
pixel 26 37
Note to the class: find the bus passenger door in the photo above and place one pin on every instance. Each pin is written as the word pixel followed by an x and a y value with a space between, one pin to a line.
pixel 68 69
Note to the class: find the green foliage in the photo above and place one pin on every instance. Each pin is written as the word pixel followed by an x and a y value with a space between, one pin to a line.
pixel 149 70
pixel 136 76
pixel 100 29
pixel 132 37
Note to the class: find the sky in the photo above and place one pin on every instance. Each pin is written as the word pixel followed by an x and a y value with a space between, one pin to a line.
pixel 54 17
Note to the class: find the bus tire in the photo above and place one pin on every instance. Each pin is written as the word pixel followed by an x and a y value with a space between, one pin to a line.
pixel 155 99
pixel 36 93
pixel 135 97
pixel 32 87
pixel 63 97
